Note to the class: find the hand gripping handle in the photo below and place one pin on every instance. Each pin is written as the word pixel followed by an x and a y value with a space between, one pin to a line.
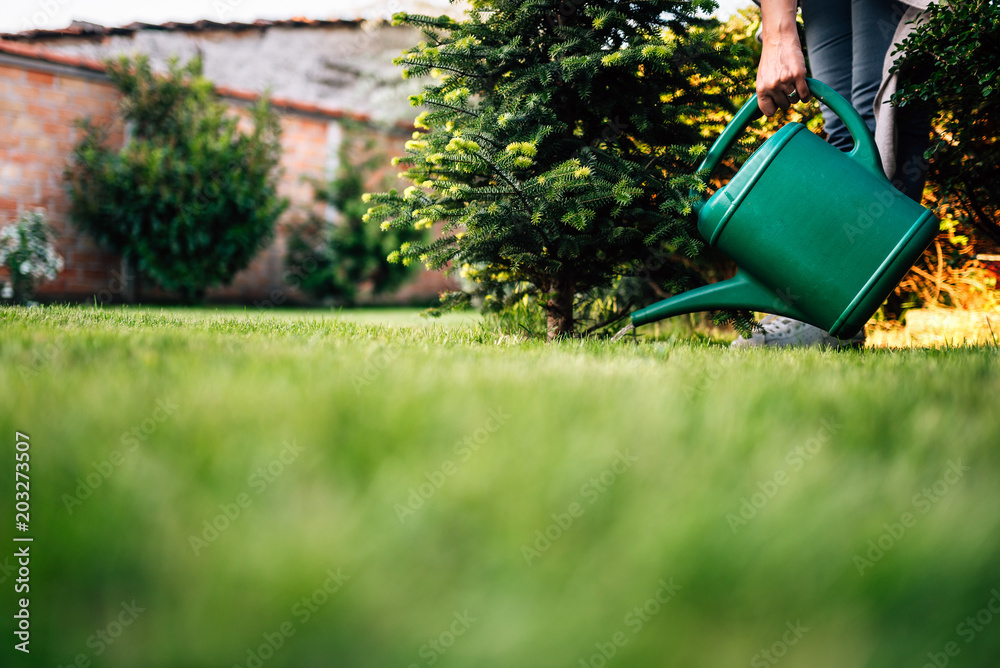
pixel 864 151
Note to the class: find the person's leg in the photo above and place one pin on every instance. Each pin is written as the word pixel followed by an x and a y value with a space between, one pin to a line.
pixel 828 38
pixel 875 22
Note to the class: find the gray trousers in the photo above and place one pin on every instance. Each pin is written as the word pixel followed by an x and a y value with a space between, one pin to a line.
pixel 847 42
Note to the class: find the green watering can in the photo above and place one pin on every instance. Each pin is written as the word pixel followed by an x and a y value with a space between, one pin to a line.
pixel 818 235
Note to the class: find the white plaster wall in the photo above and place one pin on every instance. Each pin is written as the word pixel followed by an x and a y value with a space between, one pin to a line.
pixel 344 67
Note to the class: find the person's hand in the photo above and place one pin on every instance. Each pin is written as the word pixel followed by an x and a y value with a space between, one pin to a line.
pixel 781 75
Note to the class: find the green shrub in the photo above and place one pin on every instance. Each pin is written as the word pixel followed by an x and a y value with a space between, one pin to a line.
pixel 336 260
pixel 957 55
pixel 191 197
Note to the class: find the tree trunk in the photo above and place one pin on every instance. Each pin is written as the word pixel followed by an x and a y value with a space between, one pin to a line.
pixel 190 295
pixel 559 308
pixel 130 281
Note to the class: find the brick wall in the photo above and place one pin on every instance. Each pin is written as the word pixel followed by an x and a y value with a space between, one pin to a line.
pixel 37 135
pixel 39 104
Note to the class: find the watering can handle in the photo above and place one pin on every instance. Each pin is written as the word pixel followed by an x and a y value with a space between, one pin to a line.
pixel 864 151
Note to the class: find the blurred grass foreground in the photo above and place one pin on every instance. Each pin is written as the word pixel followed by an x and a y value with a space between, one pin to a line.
pixel 246 490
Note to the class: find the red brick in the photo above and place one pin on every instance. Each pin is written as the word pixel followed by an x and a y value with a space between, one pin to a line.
pixel 96 266
pixel 41 78
pixel 89 110
pixel 12 73
pixel 96 275
pixel 26 92
pixel 76 85
pixel 12 106
pixel 11 171
pixel 79 288
pixel 69 116
pixel 58 210
pixel 57 130
pixel 23 125
pixel 20 156
pixel 34 174
pixel 90 255
pixel 41 144
pixel 21 192
pixel 43 111
pixel 55 97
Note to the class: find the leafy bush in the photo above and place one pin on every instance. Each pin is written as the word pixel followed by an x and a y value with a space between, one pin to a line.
pixel 558 147
pixel 957 55
pixel 26 251
pixel 191 197
pixel 336 260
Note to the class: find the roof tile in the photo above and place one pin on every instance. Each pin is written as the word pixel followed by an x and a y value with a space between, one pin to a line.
pixel 84 29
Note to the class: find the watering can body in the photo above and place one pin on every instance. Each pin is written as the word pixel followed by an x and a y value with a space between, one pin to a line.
pixel 817 234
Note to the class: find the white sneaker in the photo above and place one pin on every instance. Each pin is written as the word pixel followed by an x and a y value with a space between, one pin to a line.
pixel 780 331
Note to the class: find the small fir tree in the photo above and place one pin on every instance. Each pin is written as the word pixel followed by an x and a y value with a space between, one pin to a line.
pixel 191 197
pixel 557 145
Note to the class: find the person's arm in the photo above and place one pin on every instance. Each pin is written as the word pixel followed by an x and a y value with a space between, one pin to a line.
pixel 782 68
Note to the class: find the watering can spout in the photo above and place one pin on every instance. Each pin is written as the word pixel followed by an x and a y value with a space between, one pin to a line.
pixel 742 292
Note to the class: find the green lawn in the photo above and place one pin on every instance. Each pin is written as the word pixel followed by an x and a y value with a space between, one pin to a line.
pixel 388 491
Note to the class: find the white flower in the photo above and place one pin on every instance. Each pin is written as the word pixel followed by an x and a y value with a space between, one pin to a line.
pixel 7 292
pixel 28 238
